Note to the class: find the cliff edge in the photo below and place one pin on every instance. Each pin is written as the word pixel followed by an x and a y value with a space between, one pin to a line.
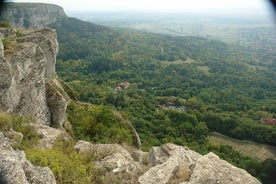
pixel 27 76
pixel 31 15
pixel 28 86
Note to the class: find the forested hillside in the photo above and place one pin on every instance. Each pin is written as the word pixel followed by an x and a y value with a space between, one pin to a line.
pixel 175 89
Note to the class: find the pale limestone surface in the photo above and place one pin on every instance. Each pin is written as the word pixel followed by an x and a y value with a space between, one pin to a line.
pixel 16 169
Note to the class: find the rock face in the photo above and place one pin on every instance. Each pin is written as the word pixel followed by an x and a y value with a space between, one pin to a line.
pixel 176 164
pixel 31 15
pixel 27 77
pixel 167 164
pixel 210 169
pixel 16 169
pixel 49 136
pixel 113 159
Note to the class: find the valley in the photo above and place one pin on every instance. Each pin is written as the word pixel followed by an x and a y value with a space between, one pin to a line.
pixel 142 84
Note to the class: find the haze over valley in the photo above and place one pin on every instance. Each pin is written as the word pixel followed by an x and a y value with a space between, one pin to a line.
pixel 105 92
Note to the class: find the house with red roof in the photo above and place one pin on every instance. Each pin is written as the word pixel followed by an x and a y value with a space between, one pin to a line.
pixel 268 121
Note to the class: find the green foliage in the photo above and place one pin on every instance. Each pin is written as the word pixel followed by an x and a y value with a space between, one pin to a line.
pixel 97 124
pixel 18 33
pixel 241 128
pixel 6 121
pixel 230 96
pixel 67 165
pixel 6 42
pixel 5 24
pixel 264 171
pixel 20 124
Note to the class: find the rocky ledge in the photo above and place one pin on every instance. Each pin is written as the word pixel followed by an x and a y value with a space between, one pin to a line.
pixel 16 169
pixel 168 163
pixel 31 15
pixel 28 83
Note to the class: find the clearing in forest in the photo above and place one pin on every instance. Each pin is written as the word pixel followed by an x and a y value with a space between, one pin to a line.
pixel 248 148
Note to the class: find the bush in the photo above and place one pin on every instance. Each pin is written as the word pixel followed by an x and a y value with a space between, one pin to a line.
pixel 5 24
pixel 5 121
pixel 18 34
pixel 98 124
pixel 67 168
pixel 67 165
pixel 6 43
pixel 20 124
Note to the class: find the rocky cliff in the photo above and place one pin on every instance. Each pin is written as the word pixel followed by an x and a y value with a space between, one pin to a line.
pixel 167 164
pixel 16 169
pixel 27 76
pixel 31 15
pixel 28 86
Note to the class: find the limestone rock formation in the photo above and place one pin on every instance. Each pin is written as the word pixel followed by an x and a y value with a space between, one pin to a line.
pixel 49 136
pixel 27 77
pixel 169 163
pixel 210 169
pixel 31 15
pixel 113 159
pixel 1 49
pixel 28 86
pixel 16 169
pixel 176 164
pixel 166 164
pixel 46 39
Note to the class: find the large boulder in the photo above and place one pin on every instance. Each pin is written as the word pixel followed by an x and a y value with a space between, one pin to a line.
pixel 210 169
pixel 50 135
pixel 113 159
pixel 169 163
pixel 161 154
pixel 177 164
pixel 16 169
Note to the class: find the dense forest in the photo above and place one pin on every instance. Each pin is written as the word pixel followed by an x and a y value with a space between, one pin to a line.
pixel 172 89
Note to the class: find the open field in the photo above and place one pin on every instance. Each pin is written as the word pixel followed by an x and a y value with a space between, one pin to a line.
pixel 248 148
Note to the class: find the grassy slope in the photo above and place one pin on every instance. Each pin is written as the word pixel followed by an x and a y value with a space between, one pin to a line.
pixel 248 148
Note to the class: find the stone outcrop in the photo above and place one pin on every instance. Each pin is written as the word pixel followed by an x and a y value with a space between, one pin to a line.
pixel 113 159
pixel 210 169
pixel 28 86
pixel 176 164
pixel 46 39
pixel 166 164
pixel 49 136
pixel 16 169
pixel 1 49
pixel 169 163
pixel 57 101
pixel 27 77
pixel 31 15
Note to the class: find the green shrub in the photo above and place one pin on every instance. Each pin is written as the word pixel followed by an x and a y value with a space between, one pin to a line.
pixel 19 124
pixel 98 124
pixel 5 24
pixel 67 165
pixel 5 121
pixel 6 43
pixel 18 34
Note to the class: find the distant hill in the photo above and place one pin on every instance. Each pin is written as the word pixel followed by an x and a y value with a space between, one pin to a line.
pixel 179 88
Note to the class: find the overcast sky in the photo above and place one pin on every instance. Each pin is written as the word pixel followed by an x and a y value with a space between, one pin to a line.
pixel 226 6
